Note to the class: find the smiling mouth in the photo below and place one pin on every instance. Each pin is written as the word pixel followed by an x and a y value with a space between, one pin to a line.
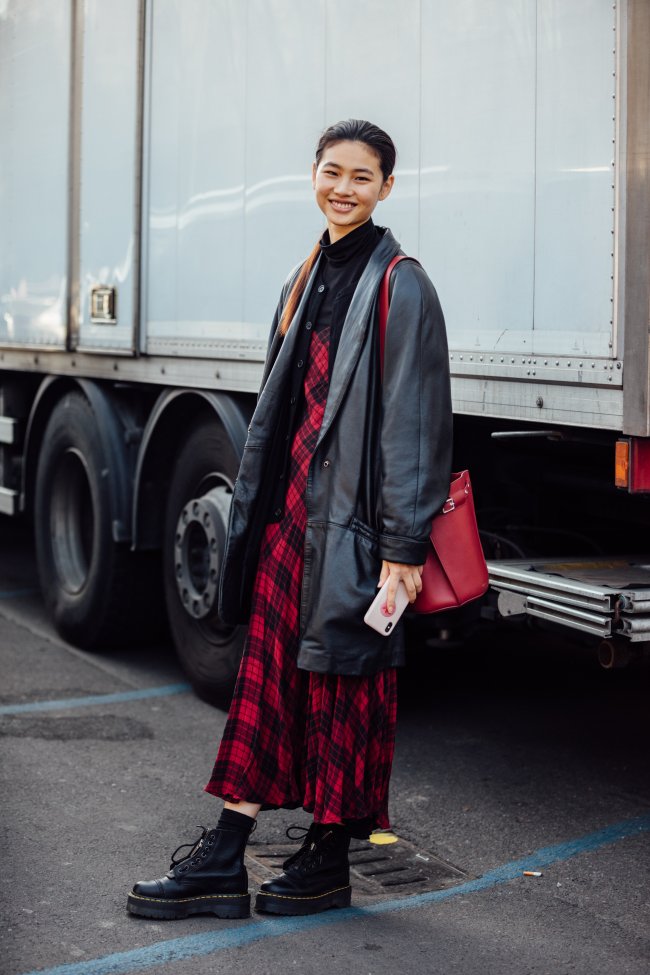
pixel 342 207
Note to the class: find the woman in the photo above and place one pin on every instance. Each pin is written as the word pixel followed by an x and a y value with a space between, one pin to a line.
pixel 341 475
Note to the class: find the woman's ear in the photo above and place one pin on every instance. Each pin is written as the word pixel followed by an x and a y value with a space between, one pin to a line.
pixel 387 187
pixel 313 175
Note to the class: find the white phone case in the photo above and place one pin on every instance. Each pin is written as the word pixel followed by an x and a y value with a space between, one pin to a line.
pixel 378 618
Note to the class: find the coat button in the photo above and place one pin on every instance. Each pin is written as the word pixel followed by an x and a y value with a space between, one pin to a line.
pixel 300 363
pixel 293 400
pixel 308 326
pixel 277 513
pixel 326 463
pixel 321 288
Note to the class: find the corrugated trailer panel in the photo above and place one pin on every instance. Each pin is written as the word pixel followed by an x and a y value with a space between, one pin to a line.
pixel 517 174
pixel 574 185
pixel 34 134
pixel 393 39
pixel 282 68
pixel 194 227
pixel 109 201
pixel 238 96
pixel 478 169
pixel 503 116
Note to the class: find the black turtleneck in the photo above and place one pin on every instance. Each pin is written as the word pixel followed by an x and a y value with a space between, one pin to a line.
pixel 351 246
pixel 339 268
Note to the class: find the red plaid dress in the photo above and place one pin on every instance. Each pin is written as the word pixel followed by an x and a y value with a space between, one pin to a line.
pixel 295 738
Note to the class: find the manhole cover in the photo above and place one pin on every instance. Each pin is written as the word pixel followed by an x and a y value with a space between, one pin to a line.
pixel 376 871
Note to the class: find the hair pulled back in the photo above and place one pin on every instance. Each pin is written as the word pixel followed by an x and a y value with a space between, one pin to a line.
pixel 349 130
pixel 356 130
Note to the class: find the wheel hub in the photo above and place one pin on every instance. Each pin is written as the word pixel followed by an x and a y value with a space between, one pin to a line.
pixel 198 551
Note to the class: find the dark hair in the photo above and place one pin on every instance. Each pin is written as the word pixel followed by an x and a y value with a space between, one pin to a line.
pixel 356 130
pixel 350 130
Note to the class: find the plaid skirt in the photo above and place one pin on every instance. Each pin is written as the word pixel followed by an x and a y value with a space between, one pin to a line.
pixel 295 738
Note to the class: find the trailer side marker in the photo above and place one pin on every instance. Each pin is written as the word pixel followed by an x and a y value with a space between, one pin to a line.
pixel 243 933
pixel 81 702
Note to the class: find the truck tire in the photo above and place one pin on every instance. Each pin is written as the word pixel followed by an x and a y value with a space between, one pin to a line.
pixel 84 574
pixel 193 545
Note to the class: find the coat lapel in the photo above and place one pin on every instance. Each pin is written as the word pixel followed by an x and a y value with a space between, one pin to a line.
pixel 357 321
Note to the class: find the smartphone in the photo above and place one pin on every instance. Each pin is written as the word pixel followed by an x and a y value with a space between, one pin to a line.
pixel 377 616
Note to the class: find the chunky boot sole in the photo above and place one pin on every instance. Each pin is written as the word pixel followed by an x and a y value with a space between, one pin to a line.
pixel 314 904
pixel 222 905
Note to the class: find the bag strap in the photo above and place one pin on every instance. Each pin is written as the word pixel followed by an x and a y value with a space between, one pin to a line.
pixel 384 302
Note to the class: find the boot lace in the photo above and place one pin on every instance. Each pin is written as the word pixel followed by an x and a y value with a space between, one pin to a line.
pixel 310 854
pixel 296 832
pixel 198 849
pixel 304 833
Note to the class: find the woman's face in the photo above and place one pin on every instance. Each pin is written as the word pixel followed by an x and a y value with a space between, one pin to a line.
pixel 348 183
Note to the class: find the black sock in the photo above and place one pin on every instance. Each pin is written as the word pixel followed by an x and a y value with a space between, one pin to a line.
pixel 230 819
pixel 359 829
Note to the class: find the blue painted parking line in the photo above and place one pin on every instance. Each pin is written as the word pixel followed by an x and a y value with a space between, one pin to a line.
pixel 83 702
pixel 225 938
pixel 11 593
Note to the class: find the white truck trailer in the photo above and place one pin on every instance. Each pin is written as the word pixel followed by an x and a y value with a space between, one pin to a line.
pixel 154 192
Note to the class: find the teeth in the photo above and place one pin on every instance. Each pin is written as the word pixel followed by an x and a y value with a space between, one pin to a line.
pixel 341 206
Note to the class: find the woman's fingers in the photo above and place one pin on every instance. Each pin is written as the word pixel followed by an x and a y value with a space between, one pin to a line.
pixel 390 593
pixel 411 585
pixel 410 575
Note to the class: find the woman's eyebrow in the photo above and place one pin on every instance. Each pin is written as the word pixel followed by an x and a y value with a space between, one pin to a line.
pixel 359 169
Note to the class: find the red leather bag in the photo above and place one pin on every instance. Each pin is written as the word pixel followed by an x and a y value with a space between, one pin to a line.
pixel 454 572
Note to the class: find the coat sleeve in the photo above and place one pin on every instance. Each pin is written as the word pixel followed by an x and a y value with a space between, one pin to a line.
pixel 416 428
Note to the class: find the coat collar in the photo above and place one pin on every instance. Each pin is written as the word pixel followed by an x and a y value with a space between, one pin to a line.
pixel 360 315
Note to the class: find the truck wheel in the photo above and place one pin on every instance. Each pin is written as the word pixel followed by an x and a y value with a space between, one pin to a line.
pixel 84 574
pixel 196 521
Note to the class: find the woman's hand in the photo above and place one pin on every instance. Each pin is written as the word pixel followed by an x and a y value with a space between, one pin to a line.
pixel 410 575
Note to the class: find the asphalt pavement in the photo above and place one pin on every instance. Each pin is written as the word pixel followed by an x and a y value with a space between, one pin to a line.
pixel 515 753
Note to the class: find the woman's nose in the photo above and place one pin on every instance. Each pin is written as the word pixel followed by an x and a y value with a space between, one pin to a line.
pixel 344 186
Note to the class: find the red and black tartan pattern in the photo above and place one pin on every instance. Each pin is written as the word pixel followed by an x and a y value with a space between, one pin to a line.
pixel 294 738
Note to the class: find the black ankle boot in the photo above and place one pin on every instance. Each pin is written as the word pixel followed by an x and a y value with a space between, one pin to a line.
pixel 315 878
pixel 211 879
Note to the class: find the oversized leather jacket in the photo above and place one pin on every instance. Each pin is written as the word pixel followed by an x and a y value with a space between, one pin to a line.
pixel 379 473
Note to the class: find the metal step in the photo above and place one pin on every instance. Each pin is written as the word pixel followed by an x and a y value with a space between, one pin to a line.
pixel 8 501
pixel 603 597
pixel 8 428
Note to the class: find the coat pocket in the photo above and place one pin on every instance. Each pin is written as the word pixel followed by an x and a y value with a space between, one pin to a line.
pixel 342 570
pixel 371 534
pixel 340 581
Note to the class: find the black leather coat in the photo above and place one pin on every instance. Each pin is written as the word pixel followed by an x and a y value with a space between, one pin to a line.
pixel 379 473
